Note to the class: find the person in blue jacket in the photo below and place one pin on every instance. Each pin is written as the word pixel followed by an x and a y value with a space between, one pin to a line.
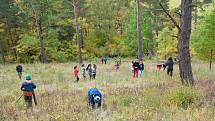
pixel 94 97
pixel 28 87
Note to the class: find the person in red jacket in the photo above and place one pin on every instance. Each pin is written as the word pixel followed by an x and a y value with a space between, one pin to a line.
pixel 136 67
pixel 75 72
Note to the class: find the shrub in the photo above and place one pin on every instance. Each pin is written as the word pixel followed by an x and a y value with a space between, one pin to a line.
pixel 182 97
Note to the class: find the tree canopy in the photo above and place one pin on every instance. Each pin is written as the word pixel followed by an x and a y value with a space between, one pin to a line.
pixel 46 29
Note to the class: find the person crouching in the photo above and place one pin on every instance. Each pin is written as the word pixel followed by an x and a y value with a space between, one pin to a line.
pixel 94 97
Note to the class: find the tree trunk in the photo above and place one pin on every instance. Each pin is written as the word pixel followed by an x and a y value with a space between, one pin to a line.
pixel 211 59
pixel 12 43
pixel 40 37
pixel 195 14
pixel 10 35
pixel 39 30
pixel 185 67
pixel 78 32
pixel 139 37
pixel 2 52
pixel 152 21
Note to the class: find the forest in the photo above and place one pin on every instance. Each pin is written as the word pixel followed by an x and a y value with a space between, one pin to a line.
pixel 107 60
pixel 45 30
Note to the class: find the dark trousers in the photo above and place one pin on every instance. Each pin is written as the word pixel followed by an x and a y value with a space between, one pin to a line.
pixel 91 76
pixel 77 78
pixel 94 76
pixel 28 101
pixel 20 75
pixel 170 72
pixel 92 103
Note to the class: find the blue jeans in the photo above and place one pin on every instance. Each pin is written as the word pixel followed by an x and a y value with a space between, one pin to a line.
pixel 140 73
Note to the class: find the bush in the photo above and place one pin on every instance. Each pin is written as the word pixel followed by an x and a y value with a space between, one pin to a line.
pixel 182 97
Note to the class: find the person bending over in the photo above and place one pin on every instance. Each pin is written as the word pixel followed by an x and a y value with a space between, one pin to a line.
pixel 94 97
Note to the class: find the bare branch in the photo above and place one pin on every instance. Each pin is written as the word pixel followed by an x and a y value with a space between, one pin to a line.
pixel 171 18
pixel 174 36
pixel 74 3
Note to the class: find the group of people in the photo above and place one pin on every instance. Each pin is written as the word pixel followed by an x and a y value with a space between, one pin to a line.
pixel 28 87
pixel 137 68
pixel 94 95
pixel 167 65
pixel 91 69
pixel 104 60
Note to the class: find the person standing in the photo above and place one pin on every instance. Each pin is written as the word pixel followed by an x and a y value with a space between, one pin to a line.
pixel 136 67
pixel 28 90
pixel 102 60
pixel 75 72
pixel 19 70
pixel 105 59
pixel 89 69
pixel 169 65
pixel 132 67
pixel 83 71
pixel 141 68
pixel 94 71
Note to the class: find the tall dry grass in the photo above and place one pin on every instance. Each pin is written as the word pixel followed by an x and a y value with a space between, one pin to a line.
pixel 60 98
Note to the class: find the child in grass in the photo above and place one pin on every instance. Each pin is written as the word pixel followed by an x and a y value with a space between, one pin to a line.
pixel 169 65
pixel 94 97
pixel 94 71
pixel 136 67
pixel 19 70
pixel 89 69
pixel 118 62
pixel 75 72
pixel 105 59
pixel 28 88
pixel 132 67
pixel 83 71
pixel 141 68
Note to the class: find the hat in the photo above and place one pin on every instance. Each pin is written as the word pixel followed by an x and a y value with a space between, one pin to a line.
pixel 97 99
pixel 27 77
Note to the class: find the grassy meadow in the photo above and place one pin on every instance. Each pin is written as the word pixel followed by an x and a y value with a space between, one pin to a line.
pixel 155 97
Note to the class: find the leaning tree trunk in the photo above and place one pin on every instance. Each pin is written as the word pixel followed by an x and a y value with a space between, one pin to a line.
pixel 2 52
pixel 77 31
pixel 185 68
pixel 139 37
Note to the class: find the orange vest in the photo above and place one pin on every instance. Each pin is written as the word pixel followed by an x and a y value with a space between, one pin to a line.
pixel 27 93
